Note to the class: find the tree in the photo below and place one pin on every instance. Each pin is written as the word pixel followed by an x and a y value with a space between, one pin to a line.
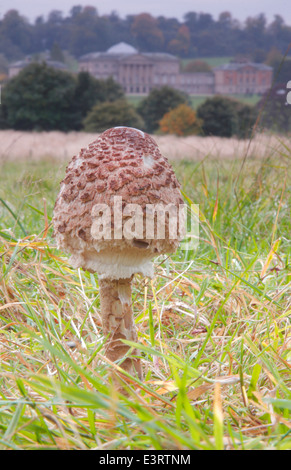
pixel 218 116
pixel 255 30
pixel 145 29
pixel 246 118
pixel 274 111
pixel 15 35
pixel 83 30
pixel 169 28
pixel 181 121
pixel 197 66
pixel 54 29
pixel 225 117
pixel 56 53
pixel 90 91
pixel 191 19
pixel 112 114
pixel 281 66
pixel 158 103
pixel 180 45
pixel 205 21
pixel 258 55
pixel 87 32
pixel 111 90
pixel 274 57
pixel 225 20
pixel 40 98
pixel 3 64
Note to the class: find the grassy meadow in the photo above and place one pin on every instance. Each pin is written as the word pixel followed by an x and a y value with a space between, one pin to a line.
pixel 214 324
pixel 197 100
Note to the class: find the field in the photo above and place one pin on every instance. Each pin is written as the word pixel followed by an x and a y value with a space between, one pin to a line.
pixel 196 100
pixel 214 323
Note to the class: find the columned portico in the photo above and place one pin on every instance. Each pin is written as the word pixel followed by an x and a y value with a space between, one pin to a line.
pixel 136 74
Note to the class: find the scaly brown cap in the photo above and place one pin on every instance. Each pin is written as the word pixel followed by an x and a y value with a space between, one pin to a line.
pixel 123 166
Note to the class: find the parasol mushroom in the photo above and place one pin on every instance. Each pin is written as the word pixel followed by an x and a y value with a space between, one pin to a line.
pixel 106 216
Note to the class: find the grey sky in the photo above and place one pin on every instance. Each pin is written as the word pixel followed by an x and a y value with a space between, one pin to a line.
pixel 168 8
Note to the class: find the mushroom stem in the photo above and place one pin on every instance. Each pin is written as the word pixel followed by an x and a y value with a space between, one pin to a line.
pixel 118 322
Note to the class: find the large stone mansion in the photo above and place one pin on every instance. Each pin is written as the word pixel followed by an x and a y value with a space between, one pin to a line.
pixel 140 72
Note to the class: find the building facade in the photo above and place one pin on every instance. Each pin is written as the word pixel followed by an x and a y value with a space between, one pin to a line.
pixel 196 83
pixel 242 78
pixel 139 73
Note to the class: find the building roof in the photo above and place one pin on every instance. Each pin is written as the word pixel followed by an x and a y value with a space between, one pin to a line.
pixel 91 56
pixel 122 48
pixel 20 64
pixel 159 55
pixel 51 63
pixel 241 65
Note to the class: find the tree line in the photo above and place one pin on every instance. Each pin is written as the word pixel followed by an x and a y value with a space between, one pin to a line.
pixel 41 98
pixel 83 30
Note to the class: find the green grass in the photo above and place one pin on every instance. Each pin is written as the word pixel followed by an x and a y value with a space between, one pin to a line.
pixel 196 100
pixel 134 100
pixel 248 99
pixel 214 324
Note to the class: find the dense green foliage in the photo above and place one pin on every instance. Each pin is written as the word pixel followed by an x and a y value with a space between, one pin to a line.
pixel 111 114
pixel 158 103
pixel 90 91
pixel 225 117
pixel 83 30
pixel 199 66
pixel 246 119
pixel 43 98
pixel 40 98
pixel 275 113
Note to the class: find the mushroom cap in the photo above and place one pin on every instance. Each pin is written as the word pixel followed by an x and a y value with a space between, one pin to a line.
pixel 93 218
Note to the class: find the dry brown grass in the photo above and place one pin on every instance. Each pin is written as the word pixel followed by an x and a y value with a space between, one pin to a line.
pixel 62 146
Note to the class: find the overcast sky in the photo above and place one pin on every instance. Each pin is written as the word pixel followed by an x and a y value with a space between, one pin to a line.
pixel 240 9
